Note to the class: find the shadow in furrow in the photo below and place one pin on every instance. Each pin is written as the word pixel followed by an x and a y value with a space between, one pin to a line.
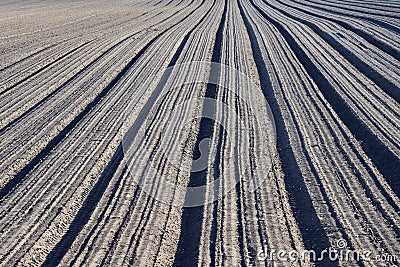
pixel 352 6
pixel 368 37
pixel 45 67
pixel 90 203
pixel 312 231
pixel 138 232
pixel 385 161
pixel 191 226
pixel 386 85
pixel 373 20
pixel 19 177
pixel 84 213
pixel 214 224
pixel 29 56
pixel 13 122
pixel 187 253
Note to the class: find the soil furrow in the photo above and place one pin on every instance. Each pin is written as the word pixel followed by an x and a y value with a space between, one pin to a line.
pixel 366 69
pixel 313 232
pixel 107 109
pixel 384 160
pixel 192 217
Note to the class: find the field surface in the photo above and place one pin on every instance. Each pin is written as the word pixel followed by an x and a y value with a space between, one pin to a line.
pixel 294 132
